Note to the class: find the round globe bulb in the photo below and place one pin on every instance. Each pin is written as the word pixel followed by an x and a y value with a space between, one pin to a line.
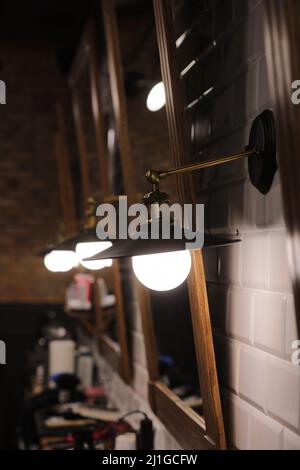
pixel 162 272
pixel 60 261
pixel 88 249
pixel 156 98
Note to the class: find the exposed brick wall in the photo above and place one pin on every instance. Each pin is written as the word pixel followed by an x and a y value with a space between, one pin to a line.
pixel 29 205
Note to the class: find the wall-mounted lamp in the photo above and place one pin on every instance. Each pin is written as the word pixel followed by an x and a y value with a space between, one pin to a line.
pixel 90 245
pixel 164 264
pixel 60 261
pixel 79 247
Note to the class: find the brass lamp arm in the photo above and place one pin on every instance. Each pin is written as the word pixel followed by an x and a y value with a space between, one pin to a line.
pixel 261 147
pixel 154 176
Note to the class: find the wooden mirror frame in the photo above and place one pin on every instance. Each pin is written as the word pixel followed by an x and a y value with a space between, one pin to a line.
pixel 190 429
pixel 64 174
pixel 86 58
pixel 117 354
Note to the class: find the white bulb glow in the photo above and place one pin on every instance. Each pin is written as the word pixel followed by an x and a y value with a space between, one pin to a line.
pixel 86 250
pixel 156 98
pixel 60 261
pixel 162 272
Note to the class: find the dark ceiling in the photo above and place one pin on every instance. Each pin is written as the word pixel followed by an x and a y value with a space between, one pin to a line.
pixel 55 22
pixel 43 20
pixel 50 20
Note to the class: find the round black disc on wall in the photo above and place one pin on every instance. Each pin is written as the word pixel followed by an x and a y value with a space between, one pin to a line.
pixel 263 166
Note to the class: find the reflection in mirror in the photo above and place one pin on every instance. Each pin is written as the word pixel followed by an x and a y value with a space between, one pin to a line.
pixel 107 303
pixel 175 345
pixel 83 90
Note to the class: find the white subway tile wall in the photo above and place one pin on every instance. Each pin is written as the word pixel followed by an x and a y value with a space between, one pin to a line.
pixel 249 285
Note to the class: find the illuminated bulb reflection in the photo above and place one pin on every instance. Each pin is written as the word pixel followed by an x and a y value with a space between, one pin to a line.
pixel 60 261
pixel 156 98
pixel 86 250
pixel 162 272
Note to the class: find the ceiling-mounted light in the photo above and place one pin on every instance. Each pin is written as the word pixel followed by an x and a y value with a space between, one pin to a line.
pixel 156 99
pixel 152 270
pixel 60 261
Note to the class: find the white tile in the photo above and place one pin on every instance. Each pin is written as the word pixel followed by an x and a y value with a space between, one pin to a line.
pixel 266 434
pixel 140 381
pixel 291 332
pixel 174 444
pixel 260 210
pixel 245 95
pixel 168 441
pixel 255 39
pixel 219 210
pixel 138 348
pixel 236 214
pixel 255 259
pixel 265 100
pixel 248 201
pixel 239 316
pixel 252 375
pixel 269 321
pixel 251 92
pixel 291 441
pixel 230 264
pixel 274 207
pixel 211 264
pixel 159 438
pixel 280 279
pixel 238 416
pixel 283 398
pixel 222 110
pixel 252 4
pixel 227 355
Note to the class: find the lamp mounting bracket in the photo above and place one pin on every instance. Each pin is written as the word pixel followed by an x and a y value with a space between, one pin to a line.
pixel 260 151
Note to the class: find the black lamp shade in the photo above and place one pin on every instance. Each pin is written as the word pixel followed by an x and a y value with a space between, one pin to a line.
pixel 129 247
pixel 85 236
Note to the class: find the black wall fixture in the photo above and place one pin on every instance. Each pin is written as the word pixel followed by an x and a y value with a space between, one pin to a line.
pixel 262 165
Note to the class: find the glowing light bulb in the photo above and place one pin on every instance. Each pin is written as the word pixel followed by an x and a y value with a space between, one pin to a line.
pixel 88 249
pixel 164 271
pixel 60 261
pixel 156 98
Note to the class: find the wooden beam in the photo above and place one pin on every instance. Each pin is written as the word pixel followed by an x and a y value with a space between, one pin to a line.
pixel 118 94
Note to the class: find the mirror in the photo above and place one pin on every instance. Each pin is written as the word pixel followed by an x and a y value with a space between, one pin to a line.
pixel 84 81
pixel 176 354
pixel 84 97
pixel 94 119
pixel 176 324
